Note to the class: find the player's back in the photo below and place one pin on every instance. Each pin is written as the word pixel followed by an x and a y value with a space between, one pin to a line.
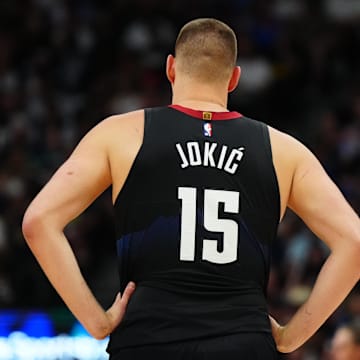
pixel 195 221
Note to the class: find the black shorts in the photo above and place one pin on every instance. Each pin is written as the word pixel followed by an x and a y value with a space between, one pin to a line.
pixel 242 346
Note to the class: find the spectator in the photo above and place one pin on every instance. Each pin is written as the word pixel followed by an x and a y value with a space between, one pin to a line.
pixel 346 342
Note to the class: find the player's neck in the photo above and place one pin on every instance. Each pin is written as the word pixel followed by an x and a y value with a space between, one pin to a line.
pixel 199 97
pixel 200 105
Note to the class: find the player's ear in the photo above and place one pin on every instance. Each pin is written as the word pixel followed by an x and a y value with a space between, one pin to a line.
pixel 170 68
pixel 234 80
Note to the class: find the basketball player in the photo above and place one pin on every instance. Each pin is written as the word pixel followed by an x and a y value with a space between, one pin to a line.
pixel 346 342
pixel 198 193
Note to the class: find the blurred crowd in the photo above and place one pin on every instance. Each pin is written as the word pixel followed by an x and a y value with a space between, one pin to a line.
pixel 66 65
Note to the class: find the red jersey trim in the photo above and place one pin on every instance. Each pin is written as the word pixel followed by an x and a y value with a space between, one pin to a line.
pixel 207 115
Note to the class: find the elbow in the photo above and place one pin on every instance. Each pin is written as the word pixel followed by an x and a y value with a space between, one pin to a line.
pixel 32 223
pixel 357 254
pixel 28 225
pixel 349 244
pixel 354 247
pixel 349 252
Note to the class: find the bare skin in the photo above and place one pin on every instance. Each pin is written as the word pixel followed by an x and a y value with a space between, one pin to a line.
pixel 104 157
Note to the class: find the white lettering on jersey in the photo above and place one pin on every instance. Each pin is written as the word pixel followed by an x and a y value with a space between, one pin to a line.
pixel 185 163
pixel 208 154
pixel 193 155
pixel 231 166
pixel 222 157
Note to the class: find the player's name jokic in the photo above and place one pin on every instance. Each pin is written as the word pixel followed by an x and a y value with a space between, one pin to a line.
pixel 195 155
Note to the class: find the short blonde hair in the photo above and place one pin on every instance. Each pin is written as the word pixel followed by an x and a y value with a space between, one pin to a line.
pixel 206 49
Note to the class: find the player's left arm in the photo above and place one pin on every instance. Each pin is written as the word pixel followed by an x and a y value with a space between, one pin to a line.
pixel 73 187
pixel 316 199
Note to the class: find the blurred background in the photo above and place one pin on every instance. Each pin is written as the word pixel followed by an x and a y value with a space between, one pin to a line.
pixel 66 65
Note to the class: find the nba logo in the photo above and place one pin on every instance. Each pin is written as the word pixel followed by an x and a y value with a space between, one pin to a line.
pixel 207 129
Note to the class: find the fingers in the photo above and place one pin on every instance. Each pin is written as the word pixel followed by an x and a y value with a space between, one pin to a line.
pixel 277 332
pixel 272 320
pixel 130 288
pixel 275 326
pixel 117 310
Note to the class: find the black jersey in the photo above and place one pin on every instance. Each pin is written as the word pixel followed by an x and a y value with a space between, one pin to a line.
pixel 195 221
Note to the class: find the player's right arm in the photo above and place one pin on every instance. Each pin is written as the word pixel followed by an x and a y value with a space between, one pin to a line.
pixel 74 186
pixel 315 198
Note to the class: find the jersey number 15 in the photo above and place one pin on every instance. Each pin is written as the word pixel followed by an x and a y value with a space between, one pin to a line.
pixel 212 222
